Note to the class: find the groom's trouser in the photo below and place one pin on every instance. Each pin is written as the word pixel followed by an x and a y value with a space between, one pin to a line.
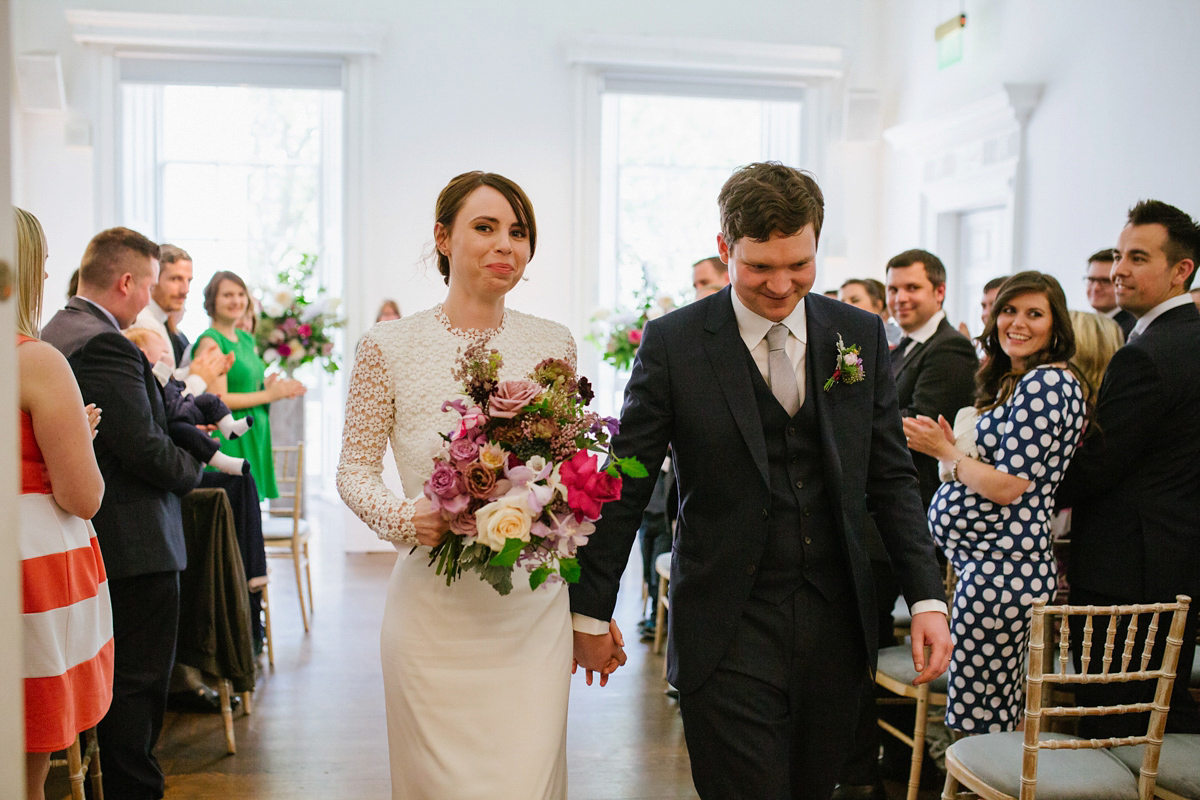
pixel 776 718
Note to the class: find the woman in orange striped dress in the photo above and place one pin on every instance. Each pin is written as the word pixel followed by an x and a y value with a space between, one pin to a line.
pixel 67 621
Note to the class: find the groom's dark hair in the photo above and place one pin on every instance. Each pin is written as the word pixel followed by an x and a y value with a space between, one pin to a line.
pixel 761 199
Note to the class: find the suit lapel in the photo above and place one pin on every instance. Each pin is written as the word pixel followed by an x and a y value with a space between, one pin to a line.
pixel 727 355
pixel 822 360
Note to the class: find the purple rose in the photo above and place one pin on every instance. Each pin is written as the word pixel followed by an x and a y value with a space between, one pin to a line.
pixel 511 396
pixel 463 451
pixel 446 488
pixel 463 524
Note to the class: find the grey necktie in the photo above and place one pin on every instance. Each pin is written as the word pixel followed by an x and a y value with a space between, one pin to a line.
pixel 780 372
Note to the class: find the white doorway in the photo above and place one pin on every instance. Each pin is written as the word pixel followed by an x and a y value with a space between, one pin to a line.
pixel 979 260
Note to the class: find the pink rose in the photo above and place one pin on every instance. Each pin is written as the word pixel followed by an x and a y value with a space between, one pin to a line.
pixel 587 488
pixel 446 488
pixel 305 330
pixel 463 523
pixel 463 451
pixel 511 396
pixel 285 350
pixel 635 336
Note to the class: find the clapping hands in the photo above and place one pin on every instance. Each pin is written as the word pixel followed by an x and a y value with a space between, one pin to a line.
pixel 934 439
pixel 601 654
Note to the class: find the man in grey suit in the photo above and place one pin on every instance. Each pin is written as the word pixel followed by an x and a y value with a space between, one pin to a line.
pixel 139 525
pixel 780 410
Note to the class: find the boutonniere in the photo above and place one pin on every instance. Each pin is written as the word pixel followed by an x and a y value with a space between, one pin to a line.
pixel 849 368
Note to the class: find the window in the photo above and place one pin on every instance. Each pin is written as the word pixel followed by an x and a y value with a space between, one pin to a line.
pixel 245 178
pixel 664 158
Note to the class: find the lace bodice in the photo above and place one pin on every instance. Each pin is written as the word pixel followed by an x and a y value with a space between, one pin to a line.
pixel 402 375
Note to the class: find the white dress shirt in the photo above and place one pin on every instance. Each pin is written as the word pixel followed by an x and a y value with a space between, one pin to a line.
pixel 925 332
pixel 1160 309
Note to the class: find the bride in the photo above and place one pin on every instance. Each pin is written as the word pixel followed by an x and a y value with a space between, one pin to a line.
pixel 475 683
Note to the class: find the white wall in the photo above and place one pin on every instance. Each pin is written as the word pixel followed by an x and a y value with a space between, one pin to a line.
pixel 1117 123
pixel 460 85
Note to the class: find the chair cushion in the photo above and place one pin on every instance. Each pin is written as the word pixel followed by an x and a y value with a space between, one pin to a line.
pixel 662 565
pixel 896 662
pixel 1061 774
pixel 1178 762
pixel 281 528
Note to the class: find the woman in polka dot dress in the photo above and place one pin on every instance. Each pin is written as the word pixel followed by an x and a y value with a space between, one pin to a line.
pixel 992 517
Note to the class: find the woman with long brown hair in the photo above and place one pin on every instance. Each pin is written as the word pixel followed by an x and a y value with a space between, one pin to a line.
pixel 992 517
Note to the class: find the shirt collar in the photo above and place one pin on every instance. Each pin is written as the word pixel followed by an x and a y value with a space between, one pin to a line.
pixel 753 328
pixel 1112 312
pixel 103 310
pixel 923 333
pixel 1160 309
pixel 156 311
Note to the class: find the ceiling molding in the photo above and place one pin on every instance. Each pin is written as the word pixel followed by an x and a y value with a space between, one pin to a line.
pixel 126 29
pixel 757 60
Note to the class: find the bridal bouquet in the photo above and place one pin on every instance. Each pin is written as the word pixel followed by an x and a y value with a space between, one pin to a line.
pixel 518 477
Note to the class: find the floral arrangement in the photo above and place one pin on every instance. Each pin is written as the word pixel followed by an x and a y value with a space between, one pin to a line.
pixel 618 334
pixel 518 478
pixel 296 325
pixel 849 366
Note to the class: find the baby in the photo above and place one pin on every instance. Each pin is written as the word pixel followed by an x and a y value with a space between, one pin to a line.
pixel 186 410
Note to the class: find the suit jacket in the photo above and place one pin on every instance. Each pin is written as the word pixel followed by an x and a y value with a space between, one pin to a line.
pixel 936 377
pixel 139 525
pixel 691 388
pixel 1134 484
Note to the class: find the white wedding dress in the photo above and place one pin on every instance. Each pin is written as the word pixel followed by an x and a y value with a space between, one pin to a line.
pixel 476 684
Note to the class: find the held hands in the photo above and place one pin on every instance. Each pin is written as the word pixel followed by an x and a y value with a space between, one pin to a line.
pixel 934 439
pixel 278 387
pixel 602 654
pixel 930 630
pixel 93 417
pixel 430 524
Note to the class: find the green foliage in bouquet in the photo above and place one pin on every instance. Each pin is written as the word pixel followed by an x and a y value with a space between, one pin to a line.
pixel 298 320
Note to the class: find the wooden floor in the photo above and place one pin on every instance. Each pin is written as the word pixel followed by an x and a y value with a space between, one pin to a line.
pixel 318 728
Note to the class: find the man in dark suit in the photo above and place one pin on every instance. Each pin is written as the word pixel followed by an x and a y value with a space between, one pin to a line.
pixel 139 525
pixel 934 364
pixel 1100 294
pixel 784 440
pixel 1134 485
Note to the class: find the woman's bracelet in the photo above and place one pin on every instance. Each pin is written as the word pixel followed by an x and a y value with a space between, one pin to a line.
pixel 954 467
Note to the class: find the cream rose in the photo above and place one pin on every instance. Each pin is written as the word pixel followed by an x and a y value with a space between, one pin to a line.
pixel 503 519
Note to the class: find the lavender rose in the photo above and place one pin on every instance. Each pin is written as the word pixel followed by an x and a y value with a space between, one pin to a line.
pixel 511 396
pixel 446 489
pixel 463 451
pixel 463 524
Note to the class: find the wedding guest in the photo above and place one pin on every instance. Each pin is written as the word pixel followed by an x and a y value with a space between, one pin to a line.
pixel 444 647
pixel 248 322
pixel 167 297
pixel 248 390
pixel 1097 339
pixel 388 311
pixel 68 671
pixel 709 276
pixel 1133 487
pixel 871 295
pixel 139 525
pixel 1100 293
pixel 992 517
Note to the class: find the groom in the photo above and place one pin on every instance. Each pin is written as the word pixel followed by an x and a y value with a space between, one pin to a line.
pixel 780 456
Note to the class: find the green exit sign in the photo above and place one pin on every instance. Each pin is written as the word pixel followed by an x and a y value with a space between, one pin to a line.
pixel 949 36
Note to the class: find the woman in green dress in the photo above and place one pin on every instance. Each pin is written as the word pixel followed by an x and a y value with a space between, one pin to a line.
pixel 247 392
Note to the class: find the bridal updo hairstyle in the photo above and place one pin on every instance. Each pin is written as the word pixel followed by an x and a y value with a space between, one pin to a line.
pixel 761 199
pixel 451 199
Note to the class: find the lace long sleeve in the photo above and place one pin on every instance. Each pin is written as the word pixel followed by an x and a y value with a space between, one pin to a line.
pixel 370 414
